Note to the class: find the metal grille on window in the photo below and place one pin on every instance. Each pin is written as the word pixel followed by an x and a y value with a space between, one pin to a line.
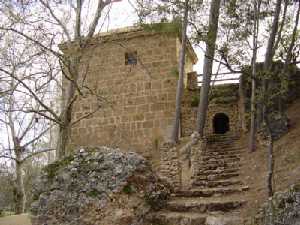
pixel 131 58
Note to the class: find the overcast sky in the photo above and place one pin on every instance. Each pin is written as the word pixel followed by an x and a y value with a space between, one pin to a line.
pixel 122 14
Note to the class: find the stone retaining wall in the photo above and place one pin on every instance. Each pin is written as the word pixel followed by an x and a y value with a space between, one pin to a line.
pixel 170 167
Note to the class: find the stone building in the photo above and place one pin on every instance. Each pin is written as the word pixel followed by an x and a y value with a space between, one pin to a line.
pixel 135 71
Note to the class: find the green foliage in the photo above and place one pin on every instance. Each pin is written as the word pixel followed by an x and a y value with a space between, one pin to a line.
pixel 297 187
pixel 7 191
pixel 167 28
pixel 6 213
pixel 279 84
pixel 224 100
pixel 175 72
pixel 128 189
pixel 52 169
pixel 195 101
pixel 93 194
pixel 156 143
pixel 225 93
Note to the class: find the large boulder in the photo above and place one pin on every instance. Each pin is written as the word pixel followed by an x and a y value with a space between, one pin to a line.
pixel 99 186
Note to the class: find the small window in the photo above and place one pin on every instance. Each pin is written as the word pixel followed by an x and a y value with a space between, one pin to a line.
pixel 131 58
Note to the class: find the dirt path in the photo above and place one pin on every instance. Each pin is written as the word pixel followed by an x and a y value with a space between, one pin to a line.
pixel 15 220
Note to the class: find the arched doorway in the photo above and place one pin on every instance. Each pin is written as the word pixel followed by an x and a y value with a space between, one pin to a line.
pixel 221 123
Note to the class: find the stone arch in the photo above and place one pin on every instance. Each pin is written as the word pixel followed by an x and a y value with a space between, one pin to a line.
pixel 221 123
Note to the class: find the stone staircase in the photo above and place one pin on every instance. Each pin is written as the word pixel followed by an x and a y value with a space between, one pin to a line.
pixel 216 193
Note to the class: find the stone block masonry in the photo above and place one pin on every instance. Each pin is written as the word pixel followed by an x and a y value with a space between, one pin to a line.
pixel 137 94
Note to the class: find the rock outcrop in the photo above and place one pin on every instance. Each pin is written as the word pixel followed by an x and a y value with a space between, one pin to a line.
pixel 99 186
pixel 283 209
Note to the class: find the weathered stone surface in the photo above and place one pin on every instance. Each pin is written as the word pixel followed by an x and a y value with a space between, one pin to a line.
pixel 285 209
pixel 214 192
pixel 137 101
pixel 223 220
pixel 99 186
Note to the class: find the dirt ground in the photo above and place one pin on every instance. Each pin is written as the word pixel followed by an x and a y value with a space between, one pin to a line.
pixel 15 220
pixel 286 159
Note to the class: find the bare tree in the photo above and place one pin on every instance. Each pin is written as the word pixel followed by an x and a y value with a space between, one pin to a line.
pixel 23 128
pixel 175 132
pixel 252 142
pixel 208 63
pixel 267 68
pixel 23 132
pixel 69 26
pixel 270 50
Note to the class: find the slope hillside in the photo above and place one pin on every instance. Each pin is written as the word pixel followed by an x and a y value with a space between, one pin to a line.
pixel 287 164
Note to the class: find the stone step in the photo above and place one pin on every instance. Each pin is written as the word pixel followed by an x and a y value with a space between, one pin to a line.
pixel 217 171
pixel 222 137
pixel 180 218
pixel 222 140
pixel 219 147
pixel 194 218
pixel 220 157
pixel 227 153
pixel 209 192
pixel 222 163
pixel 217 183
pixel 220 176
pixel 224 145
pixel 220 160
pixel 203 205
pixel 215 166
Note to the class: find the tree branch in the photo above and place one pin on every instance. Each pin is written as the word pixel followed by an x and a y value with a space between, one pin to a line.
pixel 33 94
pixel 100 7
pixel 36 153
pixel 45 4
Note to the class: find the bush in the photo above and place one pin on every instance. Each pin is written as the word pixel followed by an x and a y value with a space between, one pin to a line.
pixel 195 101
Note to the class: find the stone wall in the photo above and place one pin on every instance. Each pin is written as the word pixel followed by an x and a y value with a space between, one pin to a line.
pixel 170 167
pixel 189 105
pixel 180 163
pixel 197 151
pixel 231 110
pixel 137 102
pixel 220 102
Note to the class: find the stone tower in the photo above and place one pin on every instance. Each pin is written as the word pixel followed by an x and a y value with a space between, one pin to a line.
pixel 134 71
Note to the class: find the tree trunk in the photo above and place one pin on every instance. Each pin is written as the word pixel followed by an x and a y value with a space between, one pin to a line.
pixel 179 92
pixel 20 195
pixel 242 104
pixel 63 138
pixel 270 51
pixel 287 62
pixel 66 114
pixel 270 158
pixel 286 2
pixel 270 47
pixel 252 141
pixel 208 63
pixel 292 43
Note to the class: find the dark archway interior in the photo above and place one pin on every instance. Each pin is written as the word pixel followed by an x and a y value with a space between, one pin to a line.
pixel 221 123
